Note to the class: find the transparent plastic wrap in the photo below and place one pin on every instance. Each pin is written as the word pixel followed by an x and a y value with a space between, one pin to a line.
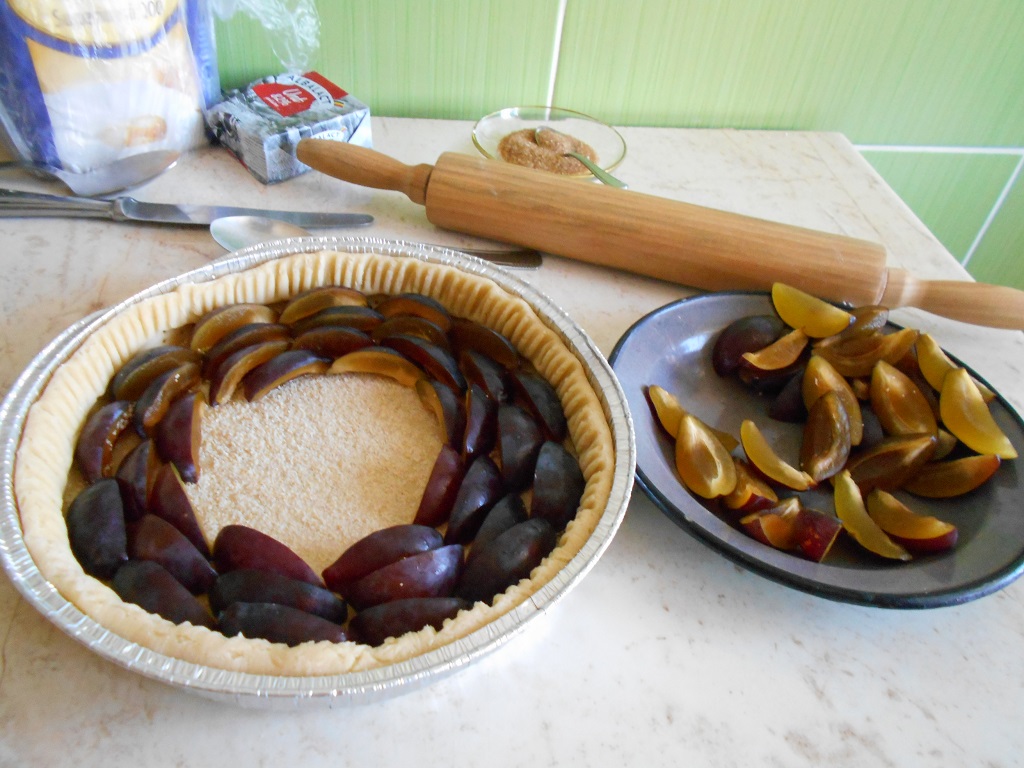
pixel 86 82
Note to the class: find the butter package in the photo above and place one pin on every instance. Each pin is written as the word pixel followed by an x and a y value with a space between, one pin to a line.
pixel 263 124
pixel 86 82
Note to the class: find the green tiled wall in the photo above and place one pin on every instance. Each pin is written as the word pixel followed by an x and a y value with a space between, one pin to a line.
pixel 913 75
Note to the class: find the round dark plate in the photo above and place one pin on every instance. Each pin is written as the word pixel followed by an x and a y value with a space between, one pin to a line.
pixel 671 347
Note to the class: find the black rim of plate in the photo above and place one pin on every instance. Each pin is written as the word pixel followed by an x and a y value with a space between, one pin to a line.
pixel 782 567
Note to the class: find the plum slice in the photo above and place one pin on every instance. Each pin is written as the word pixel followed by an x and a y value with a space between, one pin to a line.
pixel 138 373
pixel 411 325
pixel 252 586
pixel 433 573
pixel 448 407
pixel 281 369
pixel 360 318
pixel 436 361
pixel 381 361
pixel 148 585
pixel 278 624
pixel 246 336
pixel 332 341
pixel 747 334
pixel 94 451
pixel 467 335
pixel 815 317
pixel 442 488
pixel 136 473
pixel 481 423
pixel 162 391
pixel 501 562
pixel 316 299
pixel 96 529
pixel 376 624
pixel 541 400
pixel 377 550
pixel 218 323
pixel 509 511
pixel 153 538
pixel 485 373
pixel 416 304
pixel 241 547
pixel 480 490
pixel 177 437
pixel 519 442
pixel 558 485
pixel 225 378
pixel 168 499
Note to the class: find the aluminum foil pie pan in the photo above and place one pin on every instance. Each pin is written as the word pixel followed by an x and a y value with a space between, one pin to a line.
pixel 271 691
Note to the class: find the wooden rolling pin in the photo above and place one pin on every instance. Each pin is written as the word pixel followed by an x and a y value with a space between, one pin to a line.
pixel 683 243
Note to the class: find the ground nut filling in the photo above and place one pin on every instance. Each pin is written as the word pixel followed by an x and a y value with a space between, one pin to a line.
pixel 44 460
pixel 545 150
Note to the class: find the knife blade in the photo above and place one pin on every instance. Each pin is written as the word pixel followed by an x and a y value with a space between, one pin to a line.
pixel 16 204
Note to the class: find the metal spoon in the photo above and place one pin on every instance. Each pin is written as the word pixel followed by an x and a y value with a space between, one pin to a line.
pixel 237 232
pixel 599 173
pixel 119 175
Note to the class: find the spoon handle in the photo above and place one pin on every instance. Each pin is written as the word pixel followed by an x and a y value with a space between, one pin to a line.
pixel 599 173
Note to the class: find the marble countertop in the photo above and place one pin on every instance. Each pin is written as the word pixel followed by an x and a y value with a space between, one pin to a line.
pixel 667 653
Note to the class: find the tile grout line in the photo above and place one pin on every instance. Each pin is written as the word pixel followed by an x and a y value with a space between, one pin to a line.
pixel 1007 188
pixel 556 51
pixel 1003 194
pixel 1017 151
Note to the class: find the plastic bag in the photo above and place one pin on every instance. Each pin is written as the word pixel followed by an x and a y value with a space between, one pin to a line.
pixel 293 27
pixel 86 82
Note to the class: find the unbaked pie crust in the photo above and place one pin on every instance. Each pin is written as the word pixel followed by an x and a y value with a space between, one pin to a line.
pixel 44 459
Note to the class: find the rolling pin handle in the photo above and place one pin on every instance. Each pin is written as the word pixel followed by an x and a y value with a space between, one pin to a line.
pixel 993 305
pixel 365 167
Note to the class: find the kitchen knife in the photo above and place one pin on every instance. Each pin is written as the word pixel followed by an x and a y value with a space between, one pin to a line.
pixel 667 239
pixel 15 204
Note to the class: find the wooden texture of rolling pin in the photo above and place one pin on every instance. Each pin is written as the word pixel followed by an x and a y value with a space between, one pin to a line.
pixel 670 240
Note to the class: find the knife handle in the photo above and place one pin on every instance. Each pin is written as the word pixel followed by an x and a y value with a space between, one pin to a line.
pixel 365 167
pixel 995 306
pixel 16 204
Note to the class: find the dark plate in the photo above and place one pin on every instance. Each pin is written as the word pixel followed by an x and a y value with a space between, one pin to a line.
pixel 671 347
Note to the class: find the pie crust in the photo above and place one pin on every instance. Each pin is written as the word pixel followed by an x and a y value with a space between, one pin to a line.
pixel 44 458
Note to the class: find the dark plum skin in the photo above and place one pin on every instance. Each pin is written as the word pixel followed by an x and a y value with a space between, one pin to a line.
pixel 437 361
pixel 167 499
pixel 540 399
pixel 278 624
pixel 378 549
pixel 788 404
pixel 519 441
pixel 249 586
pixel 151 587
pixel 486 374
pixel 95 447
pixel 503 515
pixel 558 485
pixel 177 435
pixel 96 529
pixel 239 546
pixel 375 625
pixel 480 490
pixel 153 538
pixel 427 574
pixel 503 561
pixel 136 473
pixel 442 488
pixel 748 334
pixel 481 423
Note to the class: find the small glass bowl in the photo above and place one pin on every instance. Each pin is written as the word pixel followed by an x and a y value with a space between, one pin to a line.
pixel 606 141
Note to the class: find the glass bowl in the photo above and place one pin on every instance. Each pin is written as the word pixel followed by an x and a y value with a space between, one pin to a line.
pixel 606 141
